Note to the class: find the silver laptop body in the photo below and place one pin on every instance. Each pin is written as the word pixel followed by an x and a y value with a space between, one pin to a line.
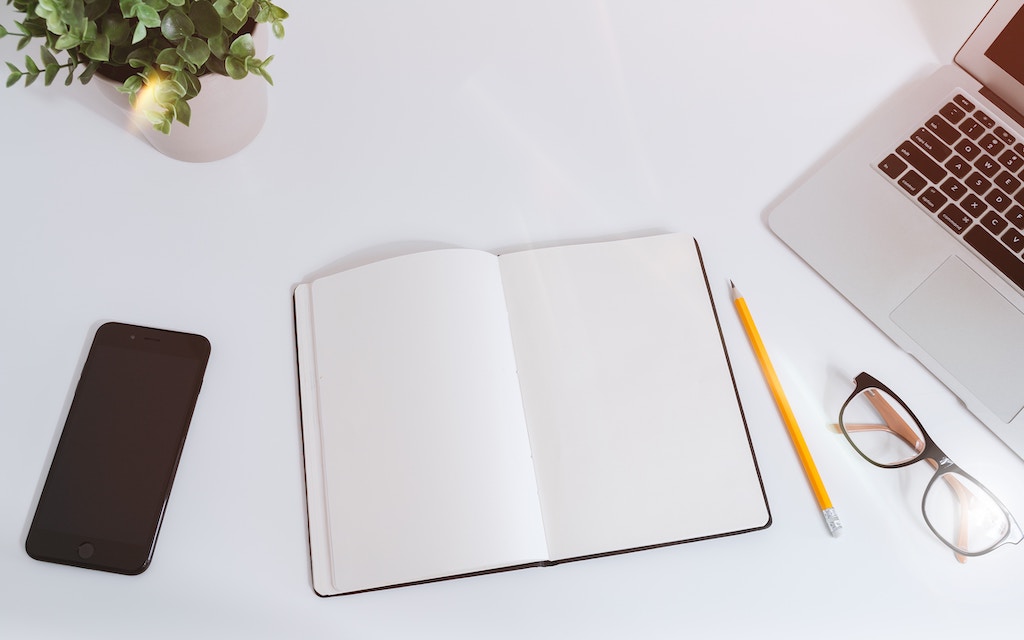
pixel 907 245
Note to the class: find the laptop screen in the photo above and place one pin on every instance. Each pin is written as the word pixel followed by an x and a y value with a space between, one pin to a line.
pixel 994 54
pixel 1007 50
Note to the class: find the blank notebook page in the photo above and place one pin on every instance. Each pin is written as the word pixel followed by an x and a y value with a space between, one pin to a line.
pixel 429 470
pixel 637 434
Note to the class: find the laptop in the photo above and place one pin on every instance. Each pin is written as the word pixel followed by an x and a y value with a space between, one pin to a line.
pixel 918 220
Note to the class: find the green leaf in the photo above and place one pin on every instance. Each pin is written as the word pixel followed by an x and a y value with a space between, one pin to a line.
pixel 24 42
pixel 46 56
pixel 243 46
pixel 176 26
pixel 128 7
pixel 235 68
pixel 51 73
pixel 98 49
pixel 161 120
pixel 131 85
pixel 117 29
pixel 3 31
pixel 147 15
pixel 194 51
pixel 89 72
pixel 15 75
pixel 183 112
pixel 168 91
pixel 168 59
pixel 67 41
pixel 205 18
pixel 30 65
pixel 218 45
pixel 96 8
pixel 278 29
pixel 140 33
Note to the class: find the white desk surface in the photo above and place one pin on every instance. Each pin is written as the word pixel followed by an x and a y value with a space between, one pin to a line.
pixel 402 125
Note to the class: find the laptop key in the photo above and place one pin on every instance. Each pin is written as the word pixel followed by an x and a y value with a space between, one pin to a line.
pixel 1007 182
pixel 972 128
pixel 973 205
pixel 1016 216
pixel 958 166
pixel 987 165
pixel 968 149
pixel 955 219
pixel 892 166
pixel 943 129
pixel 1014 240
pixel 920 161
pixel 991 144
pixel 994 223
pixel 997 200
pixel 932 199
pixel 963 103
pixel 978 183
pixel 953 188
pixel 1011 160
pixel 912 182
pixel 935 147
pixel 952 113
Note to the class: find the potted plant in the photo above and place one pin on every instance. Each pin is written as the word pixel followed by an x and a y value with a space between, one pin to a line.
pixel 158 50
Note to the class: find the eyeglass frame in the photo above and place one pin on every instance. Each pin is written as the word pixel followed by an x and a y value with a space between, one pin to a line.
pixel 929 451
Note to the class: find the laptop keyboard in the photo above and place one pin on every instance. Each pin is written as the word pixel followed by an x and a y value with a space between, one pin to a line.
pixel 965 168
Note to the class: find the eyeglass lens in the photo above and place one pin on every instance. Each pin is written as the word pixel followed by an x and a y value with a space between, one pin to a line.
pixel 964 514
pixel 881 429
pixel 957 509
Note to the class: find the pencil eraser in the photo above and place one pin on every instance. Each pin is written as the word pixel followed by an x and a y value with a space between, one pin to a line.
pixel 835 527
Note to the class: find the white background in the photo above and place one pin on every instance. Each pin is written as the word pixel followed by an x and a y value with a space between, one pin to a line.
pixel 400 125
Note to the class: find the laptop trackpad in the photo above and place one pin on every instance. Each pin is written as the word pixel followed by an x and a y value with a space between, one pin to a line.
pixel 980 339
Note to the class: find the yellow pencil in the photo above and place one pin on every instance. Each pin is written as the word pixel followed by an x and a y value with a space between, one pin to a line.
pixel 835 527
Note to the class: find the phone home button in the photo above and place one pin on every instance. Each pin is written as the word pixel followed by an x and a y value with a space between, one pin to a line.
pixel 85 550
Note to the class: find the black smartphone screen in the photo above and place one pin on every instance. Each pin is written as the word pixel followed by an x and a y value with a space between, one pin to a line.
pixel 104 497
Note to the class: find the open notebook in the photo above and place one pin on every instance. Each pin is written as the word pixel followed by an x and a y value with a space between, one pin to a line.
pixel 464 412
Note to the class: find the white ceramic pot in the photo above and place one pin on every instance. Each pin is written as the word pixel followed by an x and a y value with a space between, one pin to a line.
pixel 227 115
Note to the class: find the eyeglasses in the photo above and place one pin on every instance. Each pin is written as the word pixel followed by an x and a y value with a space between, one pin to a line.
pixel 961 512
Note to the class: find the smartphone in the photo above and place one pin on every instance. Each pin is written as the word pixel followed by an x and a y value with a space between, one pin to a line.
pixel 110 479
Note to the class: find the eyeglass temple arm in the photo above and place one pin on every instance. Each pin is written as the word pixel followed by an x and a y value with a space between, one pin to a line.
pixel 895 424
